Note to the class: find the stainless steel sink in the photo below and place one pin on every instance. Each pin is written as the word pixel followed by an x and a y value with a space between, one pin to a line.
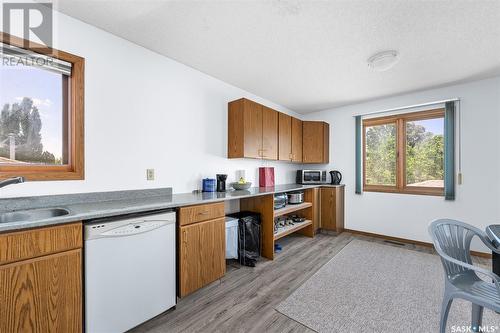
pixel 32 215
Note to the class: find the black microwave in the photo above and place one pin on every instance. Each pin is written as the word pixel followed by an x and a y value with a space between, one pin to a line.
pixel 311 177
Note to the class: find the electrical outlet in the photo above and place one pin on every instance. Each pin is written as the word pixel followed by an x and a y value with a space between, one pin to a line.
pixel 150 174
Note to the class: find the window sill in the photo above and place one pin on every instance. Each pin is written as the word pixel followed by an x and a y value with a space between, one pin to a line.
pixel 438 192
pixel 45 175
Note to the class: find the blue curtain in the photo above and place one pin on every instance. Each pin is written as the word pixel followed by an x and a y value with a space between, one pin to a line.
pixel 358 155
pixel 449 151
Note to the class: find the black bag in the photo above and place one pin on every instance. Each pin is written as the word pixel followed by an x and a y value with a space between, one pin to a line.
pixel 248 237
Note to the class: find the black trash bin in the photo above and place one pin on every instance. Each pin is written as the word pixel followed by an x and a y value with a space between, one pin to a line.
pixel 248 237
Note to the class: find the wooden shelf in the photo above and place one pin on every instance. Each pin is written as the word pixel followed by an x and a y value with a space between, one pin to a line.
pixel 290 208
pixel 287 230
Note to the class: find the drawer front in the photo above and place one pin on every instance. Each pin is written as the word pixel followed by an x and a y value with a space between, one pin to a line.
pixel 25 244
pixel 193 214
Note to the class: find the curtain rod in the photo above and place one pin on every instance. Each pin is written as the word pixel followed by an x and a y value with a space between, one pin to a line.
pixel 409 107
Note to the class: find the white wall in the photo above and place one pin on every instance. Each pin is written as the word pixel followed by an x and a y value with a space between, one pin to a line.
pixel 407 216
pixel 143 110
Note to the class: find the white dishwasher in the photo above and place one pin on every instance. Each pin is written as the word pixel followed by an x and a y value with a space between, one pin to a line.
pixel 129 270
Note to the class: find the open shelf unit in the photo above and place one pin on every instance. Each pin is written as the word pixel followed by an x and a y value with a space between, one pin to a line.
pixel 287 230
pixel 290 208
pixel 264 205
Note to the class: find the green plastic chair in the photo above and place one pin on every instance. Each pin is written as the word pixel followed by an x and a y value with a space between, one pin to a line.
pixel 452 241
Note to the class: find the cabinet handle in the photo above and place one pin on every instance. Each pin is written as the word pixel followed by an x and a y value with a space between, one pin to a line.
pixel 184 238
pixel 203 213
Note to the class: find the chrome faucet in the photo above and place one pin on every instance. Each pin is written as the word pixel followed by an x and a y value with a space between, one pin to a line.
pixel 10 181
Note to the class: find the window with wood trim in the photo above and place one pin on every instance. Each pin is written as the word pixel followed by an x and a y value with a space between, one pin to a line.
pixel 404 153
pixel 41 111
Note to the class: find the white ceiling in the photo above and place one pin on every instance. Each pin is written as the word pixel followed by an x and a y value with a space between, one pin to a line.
pixel 311 55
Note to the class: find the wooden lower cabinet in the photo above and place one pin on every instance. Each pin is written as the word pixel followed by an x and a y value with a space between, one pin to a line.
pixel 332 208
pixel 316 208
pixel 42 294
pixel 202 250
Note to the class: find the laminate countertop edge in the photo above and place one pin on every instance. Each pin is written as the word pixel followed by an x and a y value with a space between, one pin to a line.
pixel 85 211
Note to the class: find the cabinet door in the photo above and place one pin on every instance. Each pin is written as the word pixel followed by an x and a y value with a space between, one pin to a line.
pixel 313 141
pixel 326 143
pixel 316 193
pixel 296 140
pixel 285 137
pixel 252 128
pixel 269 134
pixel 213 250
pixel 42 294
pixel 189 259
pixel 202 255
pixel 332 208
pixel 328 208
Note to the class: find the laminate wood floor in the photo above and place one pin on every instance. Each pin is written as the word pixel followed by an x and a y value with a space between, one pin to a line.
pixel 245 298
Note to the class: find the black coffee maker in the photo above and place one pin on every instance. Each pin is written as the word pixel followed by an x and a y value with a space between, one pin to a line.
pixel 336 177
pixel 221 182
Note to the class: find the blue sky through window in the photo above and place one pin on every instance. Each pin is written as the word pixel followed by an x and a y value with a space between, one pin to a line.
pixel 435 126
pixel 45 89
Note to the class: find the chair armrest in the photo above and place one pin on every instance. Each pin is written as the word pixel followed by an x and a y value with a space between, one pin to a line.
pixel 490 274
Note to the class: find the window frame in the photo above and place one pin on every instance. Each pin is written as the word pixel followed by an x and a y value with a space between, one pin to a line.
pixel 400 121
pixel 74 169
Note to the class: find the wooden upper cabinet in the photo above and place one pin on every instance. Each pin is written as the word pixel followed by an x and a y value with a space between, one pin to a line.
pixel 256 131
pixel 285 137
pixel 252 130
pixel 290 138
pixel 316 142
pixel 296 140
pixel 269 134
pixel 244 129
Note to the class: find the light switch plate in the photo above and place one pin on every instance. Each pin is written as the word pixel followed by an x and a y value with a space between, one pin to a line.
pixel 150 174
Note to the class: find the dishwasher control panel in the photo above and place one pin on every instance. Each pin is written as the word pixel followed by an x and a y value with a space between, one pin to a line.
pixel 126 227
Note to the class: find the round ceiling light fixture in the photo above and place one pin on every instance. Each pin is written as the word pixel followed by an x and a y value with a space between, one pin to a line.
pixel 383 61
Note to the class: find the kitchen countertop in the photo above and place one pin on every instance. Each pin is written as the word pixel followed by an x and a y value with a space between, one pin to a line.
pixel 87 206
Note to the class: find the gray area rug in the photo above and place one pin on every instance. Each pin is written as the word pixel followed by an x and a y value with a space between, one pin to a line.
pixel 370 287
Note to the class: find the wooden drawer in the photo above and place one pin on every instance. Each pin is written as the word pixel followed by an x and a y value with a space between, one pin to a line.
pixel 198 213
pixel 25 244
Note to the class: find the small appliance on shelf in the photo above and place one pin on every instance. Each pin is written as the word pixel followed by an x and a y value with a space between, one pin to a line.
pixel 280 200
pixel 221 182
pixel 336 177
pixel 311 177
pixel 295 197
pixel 208 185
